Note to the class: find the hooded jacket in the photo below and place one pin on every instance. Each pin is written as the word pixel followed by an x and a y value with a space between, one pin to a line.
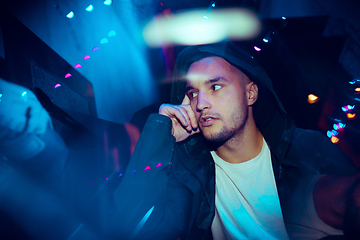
pixel 168 190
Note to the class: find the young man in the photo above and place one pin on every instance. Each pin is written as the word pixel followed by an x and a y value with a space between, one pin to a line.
pixel 226 161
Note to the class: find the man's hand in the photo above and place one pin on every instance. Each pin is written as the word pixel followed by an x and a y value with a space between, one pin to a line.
pixel 183 119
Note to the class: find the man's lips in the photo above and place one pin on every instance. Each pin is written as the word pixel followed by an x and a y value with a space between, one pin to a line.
pixel 207 120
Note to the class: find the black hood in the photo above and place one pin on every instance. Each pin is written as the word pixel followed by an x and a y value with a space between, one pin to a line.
pixel 270 115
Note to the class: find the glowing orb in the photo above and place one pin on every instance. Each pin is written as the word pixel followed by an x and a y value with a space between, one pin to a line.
pixel 257 49
pixel 90 8
pixel 104 40
pixel 312 98
pixel 107 2
pixel 112 33
pixel 351 116
pixel 70 14
pixel 334 139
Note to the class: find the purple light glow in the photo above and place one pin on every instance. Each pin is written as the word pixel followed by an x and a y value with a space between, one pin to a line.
pixel 86 57
pixel 134 171
pixel 77 66
pixel 95 48
pixel 147 168
pixel 159 165
pixel 68 75
pixel 257 49
pixel 57 85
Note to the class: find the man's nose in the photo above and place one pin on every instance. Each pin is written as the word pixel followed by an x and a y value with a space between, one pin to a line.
pixel 202 102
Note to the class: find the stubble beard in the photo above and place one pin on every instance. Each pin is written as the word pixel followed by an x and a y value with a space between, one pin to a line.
pixel 226 133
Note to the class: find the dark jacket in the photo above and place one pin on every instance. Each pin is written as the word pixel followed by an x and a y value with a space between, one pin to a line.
pixel 177 199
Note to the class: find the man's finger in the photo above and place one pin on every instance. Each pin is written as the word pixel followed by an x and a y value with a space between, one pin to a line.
pixel 186 100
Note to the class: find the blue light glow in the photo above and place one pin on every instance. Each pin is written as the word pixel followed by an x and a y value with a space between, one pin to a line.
pixel 23 94
pixel 339 126
pixel 107 2
pixel 347 108
pixel 104 40
pixel 206 17
pixel 265 40
pixel 112 33
pixel 283 18
pixel 90 8
pixel 354 81
pixel 70 14
pixel 332 133
pixel 213 5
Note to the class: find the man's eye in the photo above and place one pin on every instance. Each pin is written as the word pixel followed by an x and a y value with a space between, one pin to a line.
pixel 216 87
pixel 192 94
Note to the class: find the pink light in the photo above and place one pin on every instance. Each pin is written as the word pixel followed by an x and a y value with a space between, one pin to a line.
pixel 120 175
pixel 257 49
pixel 68 75
pixel 107 179
pixel 77 66
pixel 159 165
pixel 95 48
pixel 86 57
pixel 161 4
pixel 57 85
pixel 147 168
pixel 133 171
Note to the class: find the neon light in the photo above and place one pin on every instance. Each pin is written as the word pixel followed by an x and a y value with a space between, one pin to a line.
pixel 23 94
pixel 95 48
pixel 134 171
pixel 77 66
pixel 86 57
pixel 57 85
pixel 265 40
pixel 112 33
pixel 206 17
pixel 68 75
pixel 357 90
pixel 70 14
pixel 213 5
pixel 90 8
pixel 120 175
pixel 107 2
pixel 106 179
pixel 332 133
pixel 159 165
pixel 257 49
pixel 104 40
pixel 283 18
pixel 0 97
pixel 147 168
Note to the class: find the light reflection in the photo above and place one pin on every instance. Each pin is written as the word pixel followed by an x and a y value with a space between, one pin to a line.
pixel 183 28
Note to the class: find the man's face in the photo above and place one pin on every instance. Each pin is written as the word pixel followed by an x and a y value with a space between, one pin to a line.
pixel 218 94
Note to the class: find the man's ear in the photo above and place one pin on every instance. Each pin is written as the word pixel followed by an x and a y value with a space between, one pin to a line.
pixel 252 93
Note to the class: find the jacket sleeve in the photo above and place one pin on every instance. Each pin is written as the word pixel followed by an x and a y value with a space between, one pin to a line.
pixel 150 203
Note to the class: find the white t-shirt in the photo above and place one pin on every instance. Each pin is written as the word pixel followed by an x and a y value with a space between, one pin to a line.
pixel 246 199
